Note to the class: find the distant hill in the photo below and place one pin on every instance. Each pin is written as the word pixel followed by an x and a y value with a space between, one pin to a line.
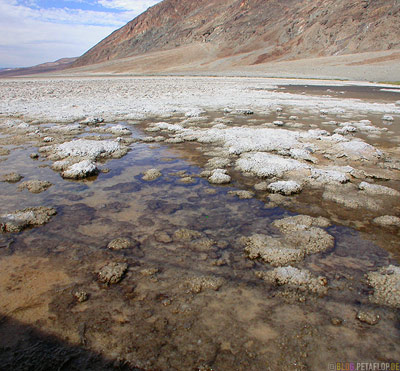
pixel 58 65
pixel 251 32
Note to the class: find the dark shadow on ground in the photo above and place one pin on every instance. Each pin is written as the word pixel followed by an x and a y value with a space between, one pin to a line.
pixel 23 347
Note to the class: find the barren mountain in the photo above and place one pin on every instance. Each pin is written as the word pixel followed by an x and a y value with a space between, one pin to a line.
pixel 250 32
pixel 58 65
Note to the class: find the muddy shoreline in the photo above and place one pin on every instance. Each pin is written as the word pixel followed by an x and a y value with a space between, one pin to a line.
pixel 258 236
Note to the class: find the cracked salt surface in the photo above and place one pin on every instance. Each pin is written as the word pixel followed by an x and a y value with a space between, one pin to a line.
pixel 86 148
pixel 132 98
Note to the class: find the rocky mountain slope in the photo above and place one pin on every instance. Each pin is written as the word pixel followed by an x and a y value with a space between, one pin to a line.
pixel 260 30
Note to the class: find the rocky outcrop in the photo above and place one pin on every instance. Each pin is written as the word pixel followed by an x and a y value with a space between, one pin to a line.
pixel 21 219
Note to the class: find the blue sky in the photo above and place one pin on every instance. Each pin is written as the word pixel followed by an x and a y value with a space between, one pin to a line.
pixel 38 31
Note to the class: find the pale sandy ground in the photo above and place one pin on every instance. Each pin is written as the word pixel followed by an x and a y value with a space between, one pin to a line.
pixel 202 59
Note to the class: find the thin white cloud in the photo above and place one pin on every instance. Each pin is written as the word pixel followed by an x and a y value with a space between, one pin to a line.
pixel 30 36
pixel 38 42
pixel 63 15
pixel 31 3
pixel 137 6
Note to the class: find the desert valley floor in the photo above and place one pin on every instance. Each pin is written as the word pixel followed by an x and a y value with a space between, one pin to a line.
pixel 198 223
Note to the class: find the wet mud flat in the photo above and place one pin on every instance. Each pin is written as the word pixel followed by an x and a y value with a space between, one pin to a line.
pixel 368 93
pixel 231 239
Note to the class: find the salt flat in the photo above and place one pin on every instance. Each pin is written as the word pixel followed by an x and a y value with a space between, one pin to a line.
pixel 117 98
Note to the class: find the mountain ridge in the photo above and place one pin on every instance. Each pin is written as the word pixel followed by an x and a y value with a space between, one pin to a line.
pixel 270 30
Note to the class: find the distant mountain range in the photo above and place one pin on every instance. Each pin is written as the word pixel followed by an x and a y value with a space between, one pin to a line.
pixel 58 65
